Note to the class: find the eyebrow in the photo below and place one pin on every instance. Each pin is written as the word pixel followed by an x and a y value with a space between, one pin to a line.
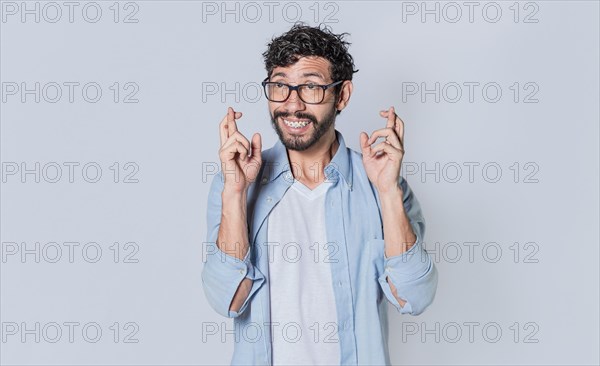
pixel 307 74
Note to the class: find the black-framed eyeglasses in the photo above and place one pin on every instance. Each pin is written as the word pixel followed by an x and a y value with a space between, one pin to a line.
pixel 308 93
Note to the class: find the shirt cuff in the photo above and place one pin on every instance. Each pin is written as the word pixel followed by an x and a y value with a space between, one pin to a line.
pixel 403 269
pixel 413 262
pixel 222 276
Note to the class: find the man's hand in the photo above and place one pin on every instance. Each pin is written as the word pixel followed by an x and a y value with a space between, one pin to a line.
pixel 240 164
pixel 383 161
pixel 240 159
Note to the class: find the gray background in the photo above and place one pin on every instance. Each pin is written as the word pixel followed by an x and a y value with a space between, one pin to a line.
pixel 543 207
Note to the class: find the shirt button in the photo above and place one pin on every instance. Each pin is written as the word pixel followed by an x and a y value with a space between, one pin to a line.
pixel 241 271
pixel 269 199
pixel 346 325
pixel 331 203
pixel 264 180
pixel 340 283
pixel 387 268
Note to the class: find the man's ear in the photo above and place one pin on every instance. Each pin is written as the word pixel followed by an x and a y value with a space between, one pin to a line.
pixel 344 96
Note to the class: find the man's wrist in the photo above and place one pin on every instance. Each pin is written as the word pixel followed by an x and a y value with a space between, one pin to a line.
pixel 390 194
pixel 233 194
pixel 233 202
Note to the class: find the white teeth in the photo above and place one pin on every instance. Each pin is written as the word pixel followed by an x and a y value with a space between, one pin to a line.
pixel 295 124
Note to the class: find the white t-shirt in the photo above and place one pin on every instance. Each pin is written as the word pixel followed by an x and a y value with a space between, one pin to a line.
pixel 303 312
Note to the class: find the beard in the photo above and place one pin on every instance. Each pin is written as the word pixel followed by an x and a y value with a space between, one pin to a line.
pixel 297 143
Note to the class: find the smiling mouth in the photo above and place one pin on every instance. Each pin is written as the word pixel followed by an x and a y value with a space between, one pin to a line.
pixel 296 124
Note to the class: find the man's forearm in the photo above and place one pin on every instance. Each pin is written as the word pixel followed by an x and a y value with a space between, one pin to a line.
pixel 397 231
pixel 233 230
pixel 233 239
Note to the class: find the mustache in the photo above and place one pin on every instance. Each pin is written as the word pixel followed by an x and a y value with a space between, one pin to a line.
pixel 299 115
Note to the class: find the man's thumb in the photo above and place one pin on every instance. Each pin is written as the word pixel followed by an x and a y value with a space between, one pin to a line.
pixel 363 143
pixel 256 145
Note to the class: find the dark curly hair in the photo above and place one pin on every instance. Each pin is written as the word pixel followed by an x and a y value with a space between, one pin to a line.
pixel 302 40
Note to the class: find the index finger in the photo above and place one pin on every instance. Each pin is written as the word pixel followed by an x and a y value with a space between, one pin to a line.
pixel 391 118
pixel 395 122
pixel 223 129
pixel 224 132
pixel 390 115
pixel 400 130
pixel 231 125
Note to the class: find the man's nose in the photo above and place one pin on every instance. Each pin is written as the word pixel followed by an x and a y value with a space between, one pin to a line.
pixel 294 103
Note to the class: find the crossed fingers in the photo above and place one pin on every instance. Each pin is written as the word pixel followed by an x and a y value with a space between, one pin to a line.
pixel 393 132
pixel 231 137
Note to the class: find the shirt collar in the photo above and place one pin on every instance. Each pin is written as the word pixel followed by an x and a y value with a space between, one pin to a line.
pixel 277 163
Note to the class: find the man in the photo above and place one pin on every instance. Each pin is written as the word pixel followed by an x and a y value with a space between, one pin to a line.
pixel 308 238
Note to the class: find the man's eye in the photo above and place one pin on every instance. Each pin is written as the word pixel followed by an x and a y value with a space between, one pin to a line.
pixel 279 85
pixel 311 86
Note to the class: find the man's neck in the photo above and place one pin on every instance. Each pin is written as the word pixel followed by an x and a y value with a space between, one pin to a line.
pixel 309 165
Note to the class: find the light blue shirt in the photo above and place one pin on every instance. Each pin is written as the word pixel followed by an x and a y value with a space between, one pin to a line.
pixel 359 267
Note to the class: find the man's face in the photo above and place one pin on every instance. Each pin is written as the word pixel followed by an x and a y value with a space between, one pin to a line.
pixel 300 125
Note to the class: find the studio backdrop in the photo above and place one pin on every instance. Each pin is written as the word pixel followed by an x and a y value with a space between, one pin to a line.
pixel 109 143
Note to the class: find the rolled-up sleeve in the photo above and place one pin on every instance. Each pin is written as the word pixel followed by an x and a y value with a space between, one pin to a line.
pixel 223 273
pixel 413 273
